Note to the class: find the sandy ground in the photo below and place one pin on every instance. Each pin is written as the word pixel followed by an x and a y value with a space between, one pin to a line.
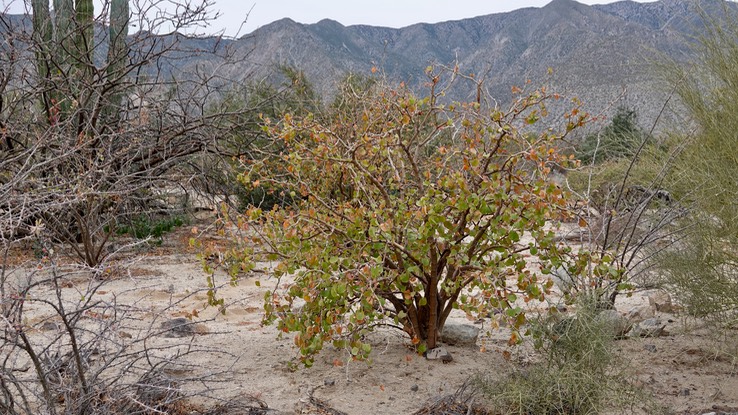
pixel 684 370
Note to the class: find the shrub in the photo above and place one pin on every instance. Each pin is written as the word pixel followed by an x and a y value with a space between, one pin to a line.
pixel 392 228
pixel 143 227
pixel 579 372
pixel 704 268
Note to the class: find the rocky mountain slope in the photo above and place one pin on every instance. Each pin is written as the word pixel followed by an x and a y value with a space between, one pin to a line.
pixel 607 55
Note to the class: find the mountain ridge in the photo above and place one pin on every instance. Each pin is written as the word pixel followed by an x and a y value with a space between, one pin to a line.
pixel 604 54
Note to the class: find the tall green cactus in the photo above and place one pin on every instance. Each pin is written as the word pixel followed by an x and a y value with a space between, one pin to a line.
pixel 85 14
pixel 42 36
pixel 64 21
pixel 65 53
pixel 117 51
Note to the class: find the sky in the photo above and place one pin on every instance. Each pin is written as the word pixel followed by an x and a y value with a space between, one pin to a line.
pixel 390 13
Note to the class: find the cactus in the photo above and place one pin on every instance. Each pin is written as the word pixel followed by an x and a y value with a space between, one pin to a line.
pixel 85 32
pixel 66 49
pixel 42 32
pixel 117 51
pixel 64 20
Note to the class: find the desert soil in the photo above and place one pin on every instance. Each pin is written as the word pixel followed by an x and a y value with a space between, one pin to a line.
pixel 686 370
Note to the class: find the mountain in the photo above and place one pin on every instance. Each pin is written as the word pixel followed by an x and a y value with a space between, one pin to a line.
pixel 604 54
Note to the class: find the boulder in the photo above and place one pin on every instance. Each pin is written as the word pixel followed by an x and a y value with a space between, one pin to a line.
pixel 639 314
pixel 619 324
pixel 650 327
pixel 460 334
pixel 661 301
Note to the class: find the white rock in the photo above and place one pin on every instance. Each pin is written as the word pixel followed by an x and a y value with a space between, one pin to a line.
pixel 460 334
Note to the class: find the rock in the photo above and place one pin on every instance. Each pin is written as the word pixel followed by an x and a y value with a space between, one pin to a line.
pixel 460 334
pixel 50 326
pixel 329 382
pixel 439 353
pixel 182 327
pixel 563 280
pixel 651 327
pixel 414 388
pixel 618 323
pixel 177 370
pixel 661 301
pixel 639 314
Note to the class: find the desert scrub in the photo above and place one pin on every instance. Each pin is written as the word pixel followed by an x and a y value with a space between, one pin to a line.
pixel 578 372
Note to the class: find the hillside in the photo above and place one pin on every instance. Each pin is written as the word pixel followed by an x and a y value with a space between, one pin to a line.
pixel 605 54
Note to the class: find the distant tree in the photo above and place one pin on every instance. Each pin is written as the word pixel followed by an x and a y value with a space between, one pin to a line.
pixel 619 140
pixel 245 108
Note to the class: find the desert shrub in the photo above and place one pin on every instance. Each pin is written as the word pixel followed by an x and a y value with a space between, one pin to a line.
pixel 391 228
pixel 82 156
pixel 704 268
pixel 84 353
pixel 630 214
pixel 579 371
pixel 287 91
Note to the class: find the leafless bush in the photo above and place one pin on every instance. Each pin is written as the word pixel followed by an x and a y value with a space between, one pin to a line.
pixel 68 349
pixel 95 125
pixel 630 218
pixel 96 122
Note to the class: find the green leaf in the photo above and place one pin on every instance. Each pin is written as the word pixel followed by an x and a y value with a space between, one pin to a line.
pixel 514 236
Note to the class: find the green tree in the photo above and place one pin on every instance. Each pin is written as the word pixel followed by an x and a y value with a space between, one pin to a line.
pixel 619 140
pixel 242 139
pixel 390 228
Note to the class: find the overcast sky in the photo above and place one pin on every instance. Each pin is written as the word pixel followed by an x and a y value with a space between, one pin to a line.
pixel 392 13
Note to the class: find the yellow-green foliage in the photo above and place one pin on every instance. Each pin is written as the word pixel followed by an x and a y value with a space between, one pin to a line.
pixel 388 226
pixel 705 269
pixel 600 183
pixel 579 372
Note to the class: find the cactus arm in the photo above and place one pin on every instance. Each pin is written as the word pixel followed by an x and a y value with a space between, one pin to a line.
pixel 117 55
pixel 42 34
pixel 63 18
pixel 85 12
pixel 118 50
